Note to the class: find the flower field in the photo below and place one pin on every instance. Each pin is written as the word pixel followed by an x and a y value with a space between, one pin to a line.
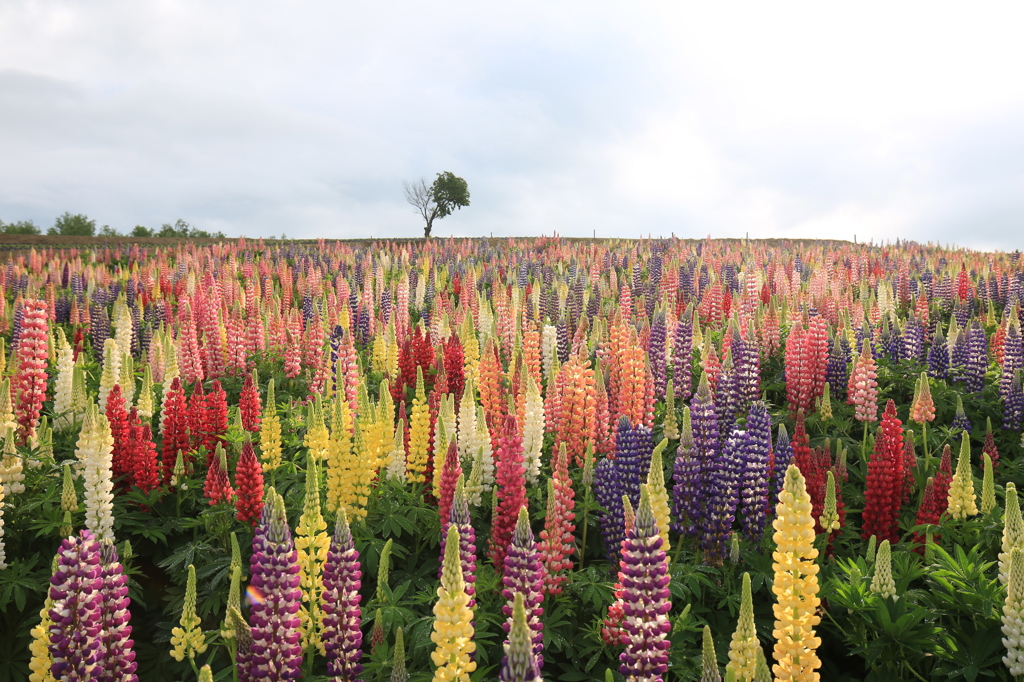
pixel 512 460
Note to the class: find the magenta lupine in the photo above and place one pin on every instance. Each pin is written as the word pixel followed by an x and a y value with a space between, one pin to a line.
pixel 76 619
pixel 276 652
pixel 645 579
pixel 524 575
pixel 342 636
pixel 556 540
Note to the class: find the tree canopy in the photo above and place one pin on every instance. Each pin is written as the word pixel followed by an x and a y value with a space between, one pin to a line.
pixel 447 193
pixel 78 225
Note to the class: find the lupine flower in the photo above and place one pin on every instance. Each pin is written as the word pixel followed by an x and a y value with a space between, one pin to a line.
pixel 1013 531
pixel 922 410
pixel 519 663
pixel 882 583
pixel 960 420
pixel 249 405
pixel 453 619
pixel 32 357
pixel 511 493
pixel 988 490
pixel 884 487
pixel 270 432
pixel 398 673
pixel 276 651
pixel 744 647
pixel 249 486
pixel 39 647
pixel 756 471
pixel 938 357
pixel 557 543
pixel 659 495
pixel 118 662
pixel 217 488
pixel 645 579
pixel 709 660
pixel 863 388
pixel 1013 614
pixel 342 636
pixel 977 359
pixel 77 613
pixel 524 576
pixel 962 498
pixel 685 476
pixel 312 544
pixel 95 445
pixel 467 539
pixel 3 552
pixel 188 639
pixel 796 583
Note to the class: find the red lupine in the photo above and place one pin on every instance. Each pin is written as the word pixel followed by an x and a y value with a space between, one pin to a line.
pixel 30 381
pixel 249 406
pixel 989 448
pixel 197 418
pixel 121 456
pixel 215 424
pixel 449 477
pixel 884 486
pixel 909 465
pixel 944 477
pixel 249 486
pixel 175 430
pixel 556 540
pixel 929 513
pixel 807 461
pixel 144 473
pixel 510 477
pixel 217 488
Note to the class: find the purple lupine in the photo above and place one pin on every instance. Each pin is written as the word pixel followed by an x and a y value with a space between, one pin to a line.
pixel 960 420
pixel 1013 404
pixel 644 576
pixel 342 619
pixel 891 340
pixel 757 455
pixel 977 358
pixel 76 590
pixel 524 575
pixel 682 351
pixel 656 353
pixel 721 483
pixel 634 447
pixel 727 397
pixel 608 494
pixel 938 357
pixel 1013 359
pixel 459 516
pixel 783 457
pixel 913 340
pixel 959 355
pixel 704 418
pixel 837 369
pixel 685 477
pixel 118 662
pixel 276 651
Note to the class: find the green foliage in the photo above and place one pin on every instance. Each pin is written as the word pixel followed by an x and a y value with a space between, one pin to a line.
pixel 19 227
pixel 76 225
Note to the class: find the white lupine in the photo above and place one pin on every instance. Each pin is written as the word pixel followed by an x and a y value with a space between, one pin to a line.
pixel 7 420
pixel 1013 531
pixel 882 583
pixel 548 349
pixel 111 371
pixel 483 444
pixel 1013 615
pixel 533 431
pixel 11 467
pixel 62 406
pixel 94 453
pixel 467 425
pixel 396 462
pixel 144 401
pixel 79 397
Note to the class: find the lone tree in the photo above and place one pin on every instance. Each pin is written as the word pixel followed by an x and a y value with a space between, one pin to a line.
pixel 447 192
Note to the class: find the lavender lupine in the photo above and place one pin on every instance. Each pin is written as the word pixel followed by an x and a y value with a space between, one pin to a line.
pixel 685 476
pixel 757 471
pixel 644 577
pixel 960 420
pixel 519 664
pixel 977 359
pixel 783 457
pixel 276 652
pixel 682 351
pixel 342 615
pixel 706 446
pixel 913 340
pixel 608 493
pixel 459 517
pixel 76 619
pixel 657 355
pixel 118 662
pixel 727 394
pixel 938 357
pixel 524 576
pixel 837 369
pixel 722 481
pixel 747 360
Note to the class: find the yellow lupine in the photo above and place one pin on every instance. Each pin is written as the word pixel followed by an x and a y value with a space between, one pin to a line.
pixel 882 583
pixel 796 584
pixel 453 619
pixel 270 432
pixel 743 650
pixel 419 432
pixel 962 500
pixel 1013 531
pixel 659 495
pixel 317 437
pixel 188 640
pixel 312 543
pixel 340 458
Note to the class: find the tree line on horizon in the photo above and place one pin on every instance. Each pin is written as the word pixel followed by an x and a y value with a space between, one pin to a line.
pixel 80 225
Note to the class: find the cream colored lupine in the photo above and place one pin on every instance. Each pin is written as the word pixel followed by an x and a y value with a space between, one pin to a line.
pixel 1013 531
pixel 483 443
pixel 882 582
pixel 188 639
pixel 79 397
pixel 988 487
pixel 144 401
pixel 7 420
pixel 533 430
pixel 419 432
pixel 312 543
pixel 453 619
pixel 962 498
pixel 111 371
pixel 122 327
pixel 1013 615
pixel 440 453
pixel 659 494
pixel 796 583
pixel 742 665
pixel 830 514
pixel 68 501
pixel 474 484
pixel 62 408
pixel 95 445
pixel 467 425
pixel 709 659
pixel 12 469
pixel 127 378
pixel 396 457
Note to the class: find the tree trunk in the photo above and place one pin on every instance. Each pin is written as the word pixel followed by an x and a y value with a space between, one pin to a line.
pixel 426 230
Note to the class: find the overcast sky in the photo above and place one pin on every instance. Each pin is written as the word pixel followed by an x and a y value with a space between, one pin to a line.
pixel 879 120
